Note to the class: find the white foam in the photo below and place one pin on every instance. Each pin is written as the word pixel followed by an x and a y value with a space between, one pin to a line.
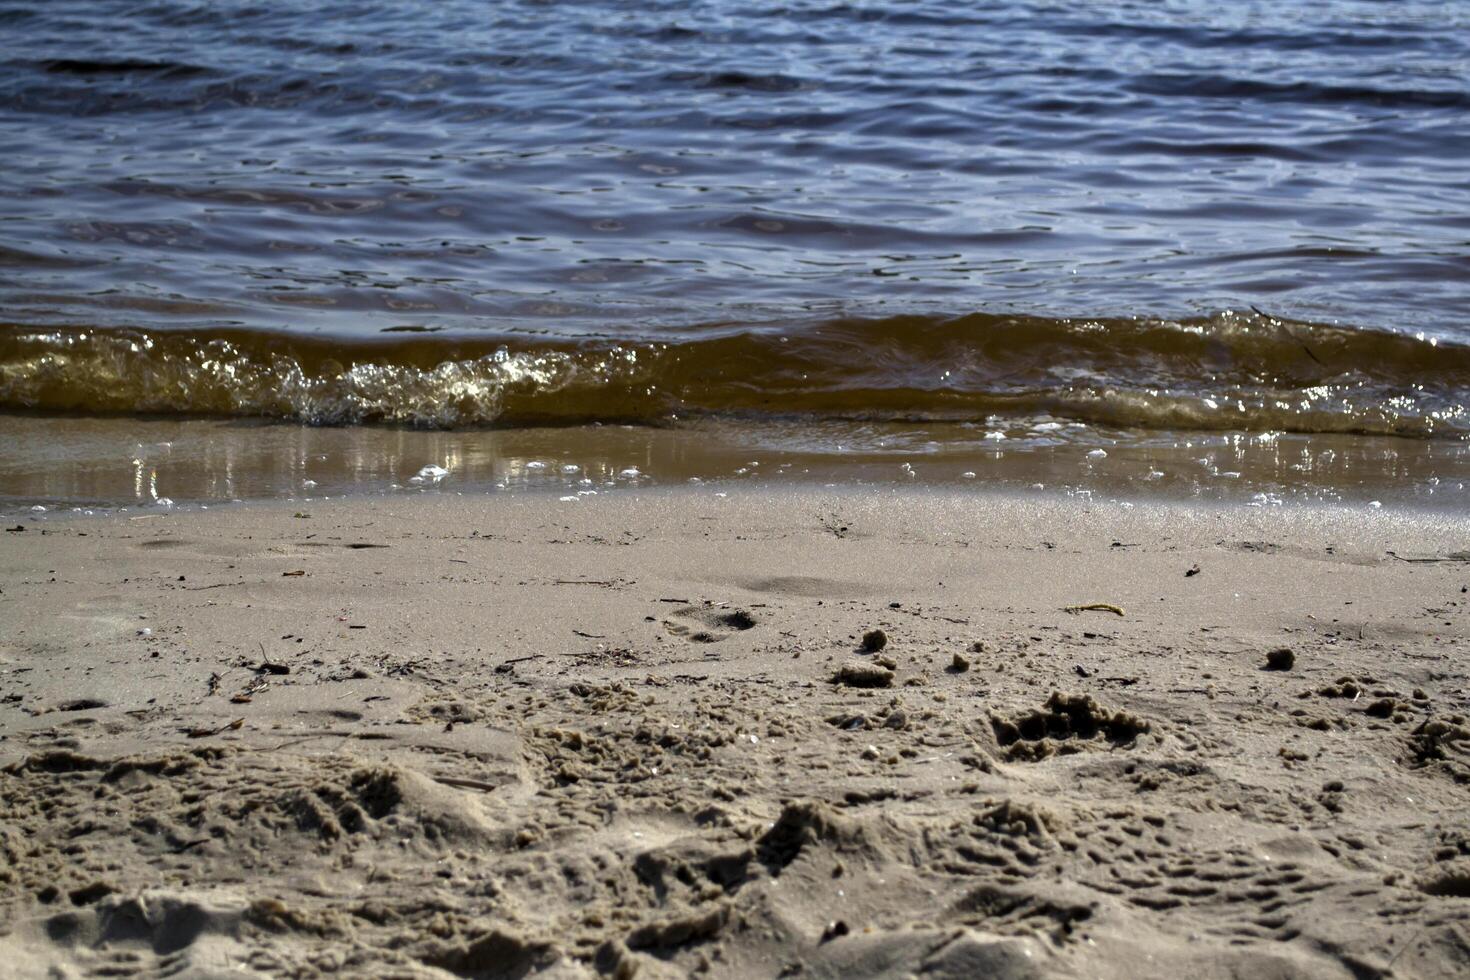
pixel 430 475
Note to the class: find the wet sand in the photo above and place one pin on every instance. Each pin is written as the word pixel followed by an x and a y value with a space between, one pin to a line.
pixel 61 461
pixel 511 735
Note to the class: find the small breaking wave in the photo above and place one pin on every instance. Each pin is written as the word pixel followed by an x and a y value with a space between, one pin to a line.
pixel 1229 371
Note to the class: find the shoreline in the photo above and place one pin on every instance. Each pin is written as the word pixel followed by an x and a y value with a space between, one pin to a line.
pixel 87 463
pixel 487 734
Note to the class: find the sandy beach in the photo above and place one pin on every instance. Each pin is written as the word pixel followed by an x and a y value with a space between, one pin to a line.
pixel 806 733
pixel 897 489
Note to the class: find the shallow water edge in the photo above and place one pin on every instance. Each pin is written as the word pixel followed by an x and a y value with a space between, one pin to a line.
pixel 65 462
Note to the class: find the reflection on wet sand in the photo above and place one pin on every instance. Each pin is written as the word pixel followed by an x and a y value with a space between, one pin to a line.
pixel 57 461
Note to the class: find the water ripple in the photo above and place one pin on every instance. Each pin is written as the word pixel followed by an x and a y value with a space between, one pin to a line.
pixel 620 169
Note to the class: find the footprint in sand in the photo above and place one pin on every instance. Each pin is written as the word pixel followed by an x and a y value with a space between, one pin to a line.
pixel 708 624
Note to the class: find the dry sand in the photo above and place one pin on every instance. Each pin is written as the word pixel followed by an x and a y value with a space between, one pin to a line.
pixel 496 737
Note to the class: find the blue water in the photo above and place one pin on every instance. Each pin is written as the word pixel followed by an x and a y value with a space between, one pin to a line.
pixel 615 166
pixel 1138 213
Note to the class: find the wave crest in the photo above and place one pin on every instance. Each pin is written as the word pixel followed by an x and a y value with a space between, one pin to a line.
pixel 1229 371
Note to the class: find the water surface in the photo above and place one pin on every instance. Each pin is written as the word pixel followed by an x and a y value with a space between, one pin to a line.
pixel 1154 217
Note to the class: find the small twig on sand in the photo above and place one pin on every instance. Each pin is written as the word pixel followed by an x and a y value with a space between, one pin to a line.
pixel 1457 556
pixel 466 783
pixel 306 738
pixel 1409 942
pixel 266 666
pixel 206 732
pixel 1094 607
